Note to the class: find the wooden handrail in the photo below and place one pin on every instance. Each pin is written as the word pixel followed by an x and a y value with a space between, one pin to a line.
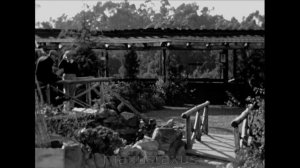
pixel 200 125
pixel 87 80
pixel 194 109
pixel 235 123
pixel 239 138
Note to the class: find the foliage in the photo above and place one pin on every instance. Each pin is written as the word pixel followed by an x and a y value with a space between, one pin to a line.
pixel 67 125
pixel 254 154
pixel 123 15
pixel 100 140
pixel 130 68
pixel 175 86
pixel 142 96
pixel 88 62
pixel 250 70
pixel 82 127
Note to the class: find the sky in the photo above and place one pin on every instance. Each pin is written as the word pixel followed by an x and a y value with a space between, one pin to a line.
pixel 228 8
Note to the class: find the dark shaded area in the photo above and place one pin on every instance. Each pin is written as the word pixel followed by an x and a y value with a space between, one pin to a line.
pixel 46 33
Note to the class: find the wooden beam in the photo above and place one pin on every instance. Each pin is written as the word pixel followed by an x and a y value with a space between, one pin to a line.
pixel 106 63
pixel 87 90
pixel 74 99
pixel 164 63
pixel 225 70
pixel 183 47
pixel 87 80
pixel 234 62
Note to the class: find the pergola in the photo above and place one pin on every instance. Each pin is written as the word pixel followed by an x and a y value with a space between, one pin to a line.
pixel 162 39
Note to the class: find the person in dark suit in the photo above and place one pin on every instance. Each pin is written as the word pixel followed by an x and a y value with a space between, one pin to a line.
pixel 46 76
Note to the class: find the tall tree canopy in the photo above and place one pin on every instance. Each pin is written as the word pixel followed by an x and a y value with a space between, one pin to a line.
pixel 123 15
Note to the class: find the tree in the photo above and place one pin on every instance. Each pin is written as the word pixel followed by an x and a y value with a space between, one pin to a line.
pixel 123 15
pixel 130 67
pixel 253 21
pixel 46 25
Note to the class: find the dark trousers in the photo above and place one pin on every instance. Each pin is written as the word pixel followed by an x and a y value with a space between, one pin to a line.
pixel 51 95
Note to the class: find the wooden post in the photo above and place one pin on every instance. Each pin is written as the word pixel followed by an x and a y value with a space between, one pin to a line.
pixel 244 132
pixel 197 133
pixel 188 133
pixel 236 138
pixel 48 94
pixel 39 91
pixel 204 126
pixel 234 62
pixel 88 94
pixel 106 63
pixel 225 70
pixel 206 119
pixel 102 93
pixel 164 63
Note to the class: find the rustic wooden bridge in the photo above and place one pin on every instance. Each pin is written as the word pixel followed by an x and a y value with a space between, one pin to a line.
pixel 215 146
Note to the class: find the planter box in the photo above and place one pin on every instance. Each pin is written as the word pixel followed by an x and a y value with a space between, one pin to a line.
pixel 49 158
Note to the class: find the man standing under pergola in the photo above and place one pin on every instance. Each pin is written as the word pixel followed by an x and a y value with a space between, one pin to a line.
pixel 45 74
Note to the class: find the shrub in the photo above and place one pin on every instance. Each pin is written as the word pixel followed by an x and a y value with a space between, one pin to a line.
pixel 253 155
pixel 130 68
pixel 143 97
pixel 173 91
pixel 100 140
pixel 88 62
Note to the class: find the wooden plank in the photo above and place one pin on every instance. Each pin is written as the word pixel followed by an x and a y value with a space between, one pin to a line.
pixel 74 99
pixel 87 90
pixel 49 158
pixel 87 80
pixel 217 146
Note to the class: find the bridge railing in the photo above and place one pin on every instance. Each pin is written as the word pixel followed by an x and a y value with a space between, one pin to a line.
pixel 240 138
pixel 200 125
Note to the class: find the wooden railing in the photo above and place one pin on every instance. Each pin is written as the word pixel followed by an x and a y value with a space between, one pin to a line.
pixel 240 139
pixel 200 125
pixel 91 84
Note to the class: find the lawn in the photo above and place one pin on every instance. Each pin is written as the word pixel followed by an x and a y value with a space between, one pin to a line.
pixel 219 117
